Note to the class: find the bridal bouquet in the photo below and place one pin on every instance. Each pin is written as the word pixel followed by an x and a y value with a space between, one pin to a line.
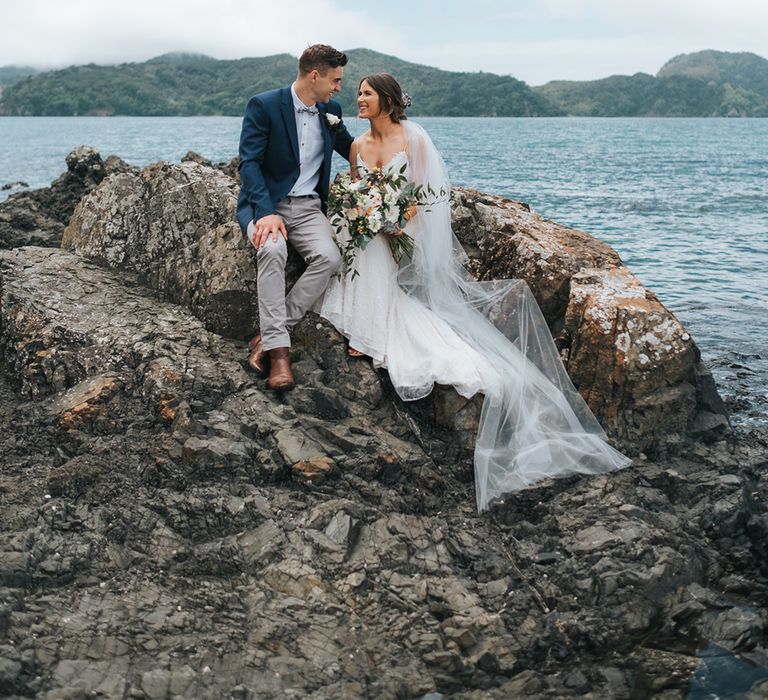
pixel 378 202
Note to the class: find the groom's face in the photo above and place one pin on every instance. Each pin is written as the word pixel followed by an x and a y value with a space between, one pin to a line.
pixel 325 86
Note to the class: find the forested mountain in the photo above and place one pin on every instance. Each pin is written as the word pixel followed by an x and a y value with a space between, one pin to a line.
pixel 744 70
pixel 702 84
pixel 446 93
pixel 184 84
pixel 12 74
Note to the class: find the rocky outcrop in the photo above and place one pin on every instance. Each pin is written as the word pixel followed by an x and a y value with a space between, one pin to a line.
pixel 632 360
pixel 38 217
pixel 171 529
pixel 18 185
pixel 174 225
pixel 230 168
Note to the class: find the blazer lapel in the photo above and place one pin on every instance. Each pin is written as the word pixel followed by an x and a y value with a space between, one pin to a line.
pixel 325 129
pixel 290 121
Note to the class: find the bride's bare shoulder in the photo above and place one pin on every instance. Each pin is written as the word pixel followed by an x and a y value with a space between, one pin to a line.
pixel 362 139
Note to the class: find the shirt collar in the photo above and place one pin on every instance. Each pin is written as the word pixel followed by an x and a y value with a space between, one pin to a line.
pixel 297 103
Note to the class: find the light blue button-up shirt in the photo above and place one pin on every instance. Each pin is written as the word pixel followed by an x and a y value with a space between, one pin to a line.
pixel 308 129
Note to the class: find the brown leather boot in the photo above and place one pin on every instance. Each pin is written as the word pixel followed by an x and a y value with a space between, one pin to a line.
pixel 280 375
pixel 258 358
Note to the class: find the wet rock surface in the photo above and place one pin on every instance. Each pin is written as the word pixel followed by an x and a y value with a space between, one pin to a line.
pixel 172 529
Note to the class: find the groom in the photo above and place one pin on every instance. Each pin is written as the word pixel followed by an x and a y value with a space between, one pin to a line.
pixel 286 144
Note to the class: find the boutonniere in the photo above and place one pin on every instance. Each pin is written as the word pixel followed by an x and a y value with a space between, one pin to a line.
pixel 332 119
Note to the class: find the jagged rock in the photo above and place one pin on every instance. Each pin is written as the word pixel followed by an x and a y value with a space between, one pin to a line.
pixel 193 157
pixel 313 471
pixel 174 225
pixel 38 217
pixel 19 184
pixel 114 164
pixel 87 405
pixel 630 358
pixel 232 169
pixel 343 531
pixel 228 168
pixel 73 477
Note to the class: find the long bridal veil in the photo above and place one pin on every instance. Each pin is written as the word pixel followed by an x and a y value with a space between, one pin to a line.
pixel 533 424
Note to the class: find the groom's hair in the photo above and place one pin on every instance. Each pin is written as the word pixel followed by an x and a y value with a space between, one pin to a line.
pixel 320 57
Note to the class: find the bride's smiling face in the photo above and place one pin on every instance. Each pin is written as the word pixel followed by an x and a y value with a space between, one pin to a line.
pixel 367 101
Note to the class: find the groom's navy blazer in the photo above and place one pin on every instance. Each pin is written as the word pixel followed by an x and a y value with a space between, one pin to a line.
pixel 269 152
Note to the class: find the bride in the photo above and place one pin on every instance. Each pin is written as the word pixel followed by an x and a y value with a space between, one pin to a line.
pixel 428 321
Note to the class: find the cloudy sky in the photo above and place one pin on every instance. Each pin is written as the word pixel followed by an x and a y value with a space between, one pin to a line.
pixel 534 40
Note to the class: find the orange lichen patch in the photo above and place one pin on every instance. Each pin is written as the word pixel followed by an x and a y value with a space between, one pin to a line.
pixel 161 373
pixel 314 470
pixel 168 409
pixel 626 345
pixel 87 403
pixel 161 385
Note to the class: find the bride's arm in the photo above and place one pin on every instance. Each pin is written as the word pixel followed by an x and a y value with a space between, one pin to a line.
pixel 416 150
pixel 353 160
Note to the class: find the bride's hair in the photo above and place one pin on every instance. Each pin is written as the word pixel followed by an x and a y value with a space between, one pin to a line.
pixel 392 99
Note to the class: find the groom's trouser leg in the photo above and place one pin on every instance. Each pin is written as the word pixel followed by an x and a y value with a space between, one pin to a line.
pixel 312 238
pixel 310 234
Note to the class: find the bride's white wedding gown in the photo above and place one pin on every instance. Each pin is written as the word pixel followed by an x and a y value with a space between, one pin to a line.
pixel 416 346
pixel 427 321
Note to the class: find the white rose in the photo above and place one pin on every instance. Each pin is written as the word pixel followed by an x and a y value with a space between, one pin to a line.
pixel 374 222
pixel 333 120
pixel 393 215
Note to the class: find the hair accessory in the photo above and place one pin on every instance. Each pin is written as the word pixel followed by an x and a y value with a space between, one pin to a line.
pixel 407 101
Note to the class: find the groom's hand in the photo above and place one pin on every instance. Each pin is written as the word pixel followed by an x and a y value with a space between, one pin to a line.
pixel 270 225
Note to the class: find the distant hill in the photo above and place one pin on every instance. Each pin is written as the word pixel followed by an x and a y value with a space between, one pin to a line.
pixel 437 92
pixel 702 84
pixel 744 70
pixel 193 84
pixel 12 74
pixel 181 57
pixel 166 85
